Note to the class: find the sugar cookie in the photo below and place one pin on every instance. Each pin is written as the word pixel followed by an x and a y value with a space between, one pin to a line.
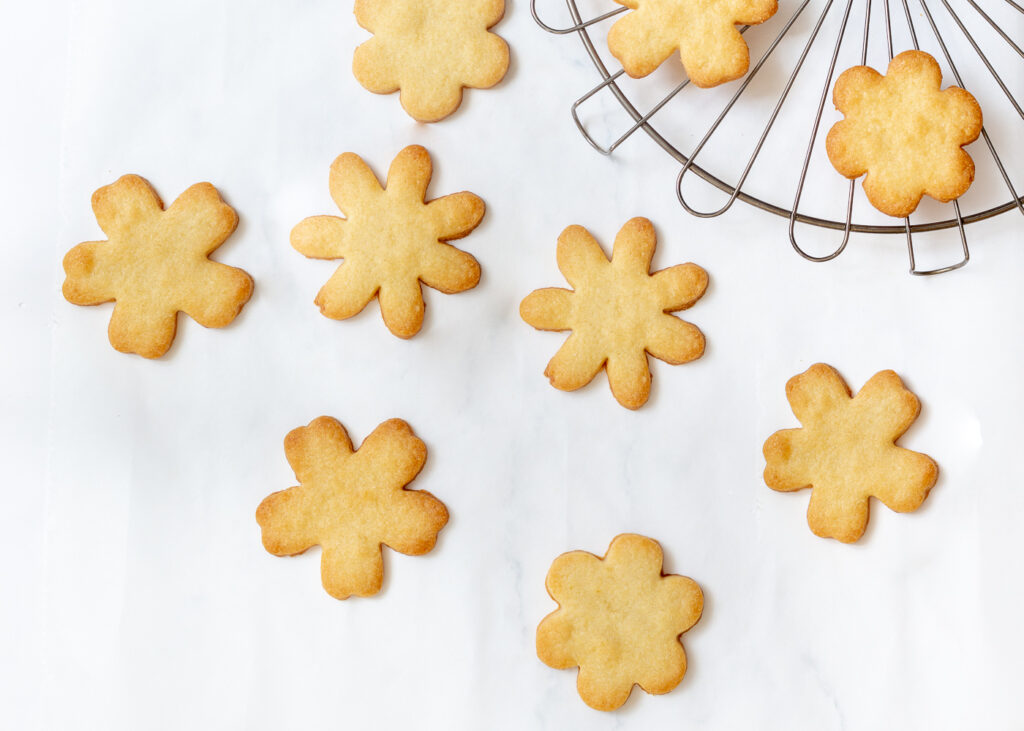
pixel 846 450
pixel 155 263
pixel 352 502
pixel 617 311
pixel 619 619
pixel 391 240
pixel 430 50
pixel 904 132
pixel 710 47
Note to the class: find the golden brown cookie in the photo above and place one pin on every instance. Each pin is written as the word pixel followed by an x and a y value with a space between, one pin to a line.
pixel 905 132
pixel 617 311
pixel 710 47
pixel 846 450
pixel 156 263
pixel 430 50
pixel 352 502
pixel 619 619
pixel 391 240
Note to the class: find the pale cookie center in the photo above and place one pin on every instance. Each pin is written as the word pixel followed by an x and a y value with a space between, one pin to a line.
pixel 614 307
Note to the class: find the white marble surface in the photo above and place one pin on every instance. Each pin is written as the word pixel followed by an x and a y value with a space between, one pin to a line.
pixel 137 594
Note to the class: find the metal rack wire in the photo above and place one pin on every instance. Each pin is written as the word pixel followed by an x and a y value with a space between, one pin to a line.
pixel 643 120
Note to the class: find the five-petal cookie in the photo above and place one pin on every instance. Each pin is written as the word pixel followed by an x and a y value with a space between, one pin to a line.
pixel 391 240
pixel 905 132
pixel 617 311
pixel 430 50
pixel 352 502
pixel 710 47
pixel 846 450
pixel 156 263
pixel 619 619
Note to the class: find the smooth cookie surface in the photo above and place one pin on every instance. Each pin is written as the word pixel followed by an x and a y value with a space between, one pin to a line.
pixel 391 239
pixel 618 312
pixel 351 502
pixel 156 263
pixel 846 451
pixel 704 31
pixel 430 50
pixel 619 619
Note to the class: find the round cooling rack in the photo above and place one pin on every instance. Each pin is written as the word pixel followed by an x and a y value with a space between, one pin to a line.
pixel 985 42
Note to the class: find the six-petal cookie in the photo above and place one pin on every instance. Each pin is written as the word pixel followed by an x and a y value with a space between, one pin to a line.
pixel 352 502
pixel 391 240
pixel 430 50
pixel 617 311
pixel 846 450
pixel 905 132
pixel 156 263
pixel 710 47
pixel 619 619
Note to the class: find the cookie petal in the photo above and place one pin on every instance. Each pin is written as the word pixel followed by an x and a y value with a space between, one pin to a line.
pixel 124 204
pixel 352 567
pixel 449 270
pixel 602 690
pixel 147 330
pixel 415 519
pixel 317 450
pixel 834 514
pixel 554 640
pixel 352 182
pixel 394 448
pixel 816 393
pixel 574 365
pixel 678 287
pixel 218 294
pixel 638 46
pixel 886 404
pixel 201 218
pixel 634 245
pixel 630 378
pixel 786 467
pixel 402 306
pixel 675 341
pixel 548 309
pixel 88 280
pixel 287 522
pixel 346 293
pixel 578 255
pixel 911 475
pixel 319 237
pixel 410 173
pixel 456 215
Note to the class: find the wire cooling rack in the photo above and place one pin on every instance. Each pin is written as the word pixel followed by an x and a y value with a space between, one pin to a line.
pixel 980 40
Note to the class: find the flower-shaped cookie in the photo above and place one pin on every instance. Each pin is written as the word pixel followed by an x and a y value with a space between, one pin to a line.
pixel 351 502
pixel 617 311
pixel 710 47
pixel 156 264
pixel 905 132
pixel 846 450
pixel 391 240
pixel 430 50
pixel 619 619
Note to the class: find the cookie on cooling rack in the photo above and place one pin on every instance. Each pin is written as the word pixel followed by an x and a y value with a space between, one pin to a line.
pixel 430 50
pixel 905 132
pixel 156 263
pixel 710 47
pixel 351 502
pixel 619 619
pixel 846 451
pixel 618 312
pixel 391 240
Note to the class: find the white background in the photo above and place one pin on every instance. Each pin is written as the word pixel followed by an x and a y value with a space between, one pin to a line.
pixel 136 593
